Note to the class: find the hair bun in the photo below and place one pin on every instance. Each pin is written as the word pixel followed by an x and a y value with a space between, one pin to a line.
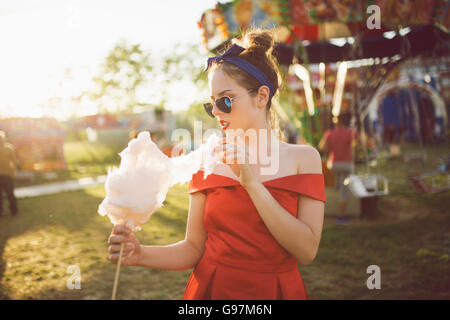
pixel 258 45
pixel 258 41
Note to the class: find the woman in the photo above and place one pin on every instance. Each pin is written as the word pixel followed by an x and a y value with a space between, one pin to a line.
pixel 245 231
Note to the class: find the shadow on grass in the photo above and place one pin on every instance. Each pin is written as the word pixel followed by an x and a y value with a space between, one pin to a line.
pixel 56 231
pixel 135 283
pixel 345 253
pixel 3 294
pixel 61 210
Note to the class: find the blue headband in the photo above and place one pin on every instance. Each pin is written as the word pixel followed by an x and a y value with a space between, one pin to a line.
pixel 232 56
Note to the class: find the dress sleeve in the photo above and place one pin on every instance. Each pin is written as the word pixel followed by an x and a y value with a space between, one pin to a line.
pixel 199 184
pixel 308 184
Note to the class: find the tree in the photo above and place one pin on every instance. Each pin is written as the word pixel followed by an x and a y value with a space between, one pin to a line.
pixel 125 69
pixel 182 75
pixel 131 77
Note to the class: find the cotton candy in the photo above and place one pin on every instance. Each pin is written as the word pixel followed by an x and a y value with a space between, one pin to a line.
pixel 138 187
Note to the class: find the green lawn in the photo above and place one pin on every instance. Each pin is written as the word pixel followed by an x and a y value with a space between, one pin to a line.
pixel 57 231
pixel 83 159
pixel 409 241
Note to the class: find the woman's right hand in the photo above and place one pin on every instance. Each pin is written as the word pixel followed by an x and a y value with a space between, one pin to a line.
pixel 132 248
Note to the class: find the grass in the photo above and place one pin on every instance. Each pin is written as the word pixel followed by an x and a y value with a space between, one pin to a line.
pixel 409 241
pixel 58 231
pixel 83 152
pixel 83 159
pixel 339 271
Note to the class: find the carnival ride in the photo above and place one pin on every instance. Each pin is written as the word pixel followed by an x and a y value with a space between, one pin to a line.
pixel 348 45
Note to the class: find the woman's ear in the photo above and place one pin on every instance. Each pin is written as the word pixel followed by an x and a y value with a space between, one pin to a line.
pixel 263 96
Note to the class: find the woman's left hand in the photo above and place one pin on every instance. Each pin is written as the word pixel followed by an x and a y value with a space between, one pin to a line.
pixel 237 157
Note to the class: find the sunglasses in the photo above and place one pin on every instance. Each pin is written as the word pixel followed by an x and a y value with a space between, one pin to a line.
pixel 224 104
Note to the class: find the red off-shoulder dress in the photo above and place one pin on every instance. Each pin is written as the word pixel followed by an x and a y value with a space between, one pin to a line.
pixel 242 260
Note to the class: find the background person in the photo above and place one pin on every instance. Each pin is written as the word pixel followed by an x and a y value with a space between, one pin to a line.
pixel 8 164
pixel 339 144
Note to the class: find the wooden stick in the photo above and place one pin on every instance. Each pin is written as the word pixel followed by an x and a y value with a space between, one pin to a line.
pixel 116 278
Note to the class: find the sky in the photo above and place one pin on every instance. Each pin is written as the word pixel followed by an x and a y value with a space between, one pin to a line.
pixel 40 38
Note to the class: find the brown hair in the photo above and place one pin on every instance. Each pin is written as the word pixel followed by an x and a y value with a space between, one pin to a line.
pixel 344 119
pixel 258 46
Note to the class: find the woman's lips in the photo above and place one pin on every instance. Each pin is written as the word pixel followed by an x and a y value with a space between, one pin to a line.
pixel 224 124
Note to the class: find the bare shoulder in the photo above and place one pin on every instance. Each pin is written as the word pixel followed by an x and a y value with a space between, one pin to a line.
pixel 307 157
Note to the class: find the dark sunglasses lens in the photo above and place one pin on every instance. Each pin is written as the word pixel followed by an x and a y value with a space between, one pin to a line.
pixel 208 108
pixel 224 104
